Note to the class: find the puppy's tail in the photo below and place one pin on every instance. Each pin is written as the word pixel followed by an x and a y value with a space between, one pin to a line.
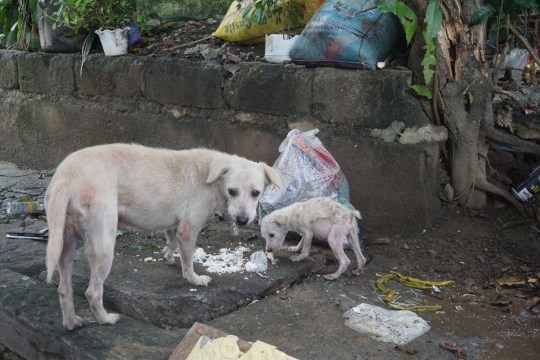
pixel 56 203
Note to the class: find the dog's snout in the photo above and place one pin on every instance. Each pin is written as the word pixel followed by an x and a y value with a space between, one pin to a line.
pixel 242 220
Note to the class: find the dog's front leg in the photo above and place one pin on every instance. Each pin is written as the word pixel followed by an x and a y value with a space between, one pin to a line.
pixel 306 239
pixel 294 248
pixel 187 236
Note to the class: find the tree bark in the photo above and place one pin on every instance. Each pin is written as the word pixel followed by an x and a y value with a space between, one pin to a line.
pixel 461 70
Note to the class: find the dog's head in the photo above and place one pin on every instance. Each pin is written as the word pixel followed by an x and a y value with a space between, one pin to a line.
pixel 242 183
pixel 273 230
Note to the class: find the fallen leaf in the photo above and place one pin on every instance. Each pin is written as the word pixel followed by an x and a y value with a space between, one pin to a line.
pixel 510 281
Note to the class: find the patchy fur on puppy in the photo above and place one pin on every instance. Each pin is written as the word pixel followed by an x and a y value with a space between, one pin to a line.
pixel 321 218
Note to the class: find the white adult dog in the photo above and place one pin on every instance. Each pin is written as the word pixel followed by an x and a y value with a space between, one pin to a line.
pixel 321 218
pixel 100 189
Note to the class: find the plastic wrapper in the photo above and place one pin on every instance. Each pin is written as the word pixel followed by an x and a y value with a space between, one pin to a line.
pixel 351 34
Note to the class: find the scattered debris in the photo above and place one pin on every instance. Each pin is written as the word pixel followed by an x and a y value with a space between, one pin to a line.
pixel 391 295
pixel 459 352
pixel 257 262
pixel 509 281
pixel 399 327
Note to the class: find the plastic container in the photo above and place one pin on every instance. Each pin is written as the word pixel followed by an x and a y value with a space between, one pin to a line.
pixel 30 207
pixel 528 188
pixel 114 42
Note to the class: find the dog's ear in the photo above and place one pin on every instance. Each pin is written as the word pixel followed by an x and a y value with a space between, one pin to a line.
pixel 216 169
pixel 272 175
pixel 279 220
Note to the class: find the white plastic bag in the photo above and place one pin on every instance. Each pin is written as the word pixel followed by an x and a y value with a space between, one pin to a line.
pixel 399 327
pixel 308 170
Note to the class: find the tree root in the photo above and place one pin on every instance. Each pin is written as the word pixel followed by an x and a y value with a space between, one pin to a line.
pixel 487 187
pixel 516 143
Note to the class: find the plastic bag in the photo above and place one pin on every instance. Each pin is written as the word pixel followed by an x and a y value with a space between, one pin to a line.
pixel 352 34
pixel 237 27
pixel 308 170
pixel 515 60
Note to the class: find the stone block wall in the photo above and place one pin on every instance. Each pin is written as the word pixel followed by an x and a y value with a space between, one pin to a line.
pixel 47 110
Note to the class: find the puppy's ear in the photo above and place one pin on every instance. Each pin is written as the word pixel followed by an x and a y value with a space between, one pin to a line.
pixel 272 175
pixel 216 169
pixel 279 220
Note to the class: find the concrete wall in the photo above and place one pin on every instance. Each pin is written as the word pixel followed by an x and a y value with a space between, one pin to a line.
pixel 47 111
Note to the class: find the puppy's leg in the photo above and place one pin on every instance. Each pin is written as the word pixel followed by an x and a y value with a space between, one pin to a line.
pixel 334 240
pixel 307 238
pixel 353 240
pixel 295 248
pixel 99 242
pixel 171 246
pixel 187 236
pixel 65 289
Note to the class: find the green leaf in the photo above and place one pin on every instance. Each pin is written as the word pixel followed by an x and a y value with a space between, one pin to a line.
pixel 405 14
pixel 483 12
pixel 86 47
pixel 510 224
pixel 422 91
pixel 429 61
pixel 433 20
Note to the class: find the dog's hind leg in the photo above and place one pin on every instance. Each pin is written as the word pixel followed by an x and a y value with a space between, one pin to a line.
pixel 99 243
pixel 353 240
pixel 171 246
pixel 187 236
pixel 65 289
pixel 335 241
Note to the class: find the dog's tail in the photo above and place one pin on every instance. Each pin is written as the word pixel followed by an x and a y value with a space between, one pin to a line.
pixel 56 206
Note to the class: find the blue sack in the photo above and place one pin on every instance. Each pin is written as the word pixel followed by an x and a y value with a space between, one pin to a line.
pixel 348 33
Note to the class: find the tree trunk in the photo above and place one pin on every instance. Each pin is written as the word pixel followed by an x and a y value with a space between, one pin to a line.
pixel 461 70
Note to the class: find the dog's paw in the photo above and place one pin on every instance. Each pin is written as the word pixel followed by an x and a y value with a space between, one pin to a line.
pixel 331 277
pixel 200 280
pixel 110 319
pixel 168 255
pixel 297 257
pixel 358 271
pixel 72 324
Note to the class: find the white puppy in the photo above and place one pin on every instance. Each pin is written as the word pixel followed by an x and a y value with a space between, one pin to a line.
pixel 100 189
pixel 321 218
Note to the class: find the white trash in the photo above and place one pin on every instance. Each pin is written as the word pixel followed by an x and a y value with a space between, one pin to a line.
pixel 397 326
pixel 258 262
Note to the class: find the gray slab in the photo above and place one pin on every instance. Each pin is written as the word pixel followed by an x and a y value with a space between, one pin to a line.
pixel 31 325
pixel 157 293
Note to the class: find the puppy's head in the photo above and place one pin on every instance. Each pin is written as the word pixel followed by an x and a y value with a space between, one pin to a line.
pixel 242 183
pixel 273 230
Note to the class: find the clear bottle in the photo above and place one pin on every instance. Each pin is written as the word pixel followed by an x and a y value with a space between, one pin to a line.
pixel 30 207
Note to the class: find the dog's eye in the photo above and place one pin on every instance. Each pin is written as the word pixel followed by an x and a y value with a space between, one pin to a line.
pixel 255 193
pixel 271 235
pixel 233 192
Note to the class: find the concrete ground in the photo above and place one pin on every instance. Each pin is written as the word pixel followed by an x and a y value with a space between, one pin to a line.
pixel 290 305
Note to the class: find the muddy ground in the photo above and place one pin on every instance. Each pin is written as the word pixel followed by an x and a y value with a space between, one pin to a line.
pixel 491 310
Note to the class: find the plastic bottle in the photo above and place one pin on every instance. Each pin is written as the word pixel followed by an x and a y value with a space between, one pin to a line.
pixel 30 207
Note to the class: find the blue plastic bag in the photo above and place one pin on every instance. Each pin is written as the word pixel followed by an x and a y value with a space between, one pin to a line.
pixel 348 33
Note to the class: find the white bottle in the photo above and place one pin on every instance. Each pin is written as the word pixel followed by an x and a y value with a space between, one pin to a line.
pixel 30 207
